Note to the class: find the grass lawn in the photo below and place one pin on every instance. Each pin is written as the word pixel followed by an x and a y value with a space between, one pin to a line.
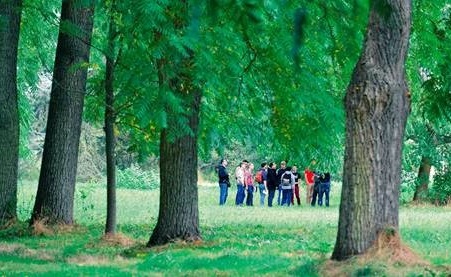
pixel 237 241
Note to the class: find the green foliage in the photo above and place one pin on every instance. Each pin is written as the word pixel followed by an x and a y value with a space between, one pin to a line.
pixel 429 74
pixel 35 59
pixel 441 188
pixel 134 177
pixel 408 186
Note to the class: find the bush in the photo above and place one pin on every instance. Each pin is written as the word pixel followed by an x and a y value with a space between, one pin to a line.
pixel 441 188
pixel 408 186
pixel 135 177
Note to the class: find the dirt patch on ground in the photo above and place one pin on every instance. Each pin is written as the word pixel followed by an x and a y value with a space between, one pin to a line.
pixel 22 251
pixel 42 228
pixel 8 248
pixel 117 240
pixel 89 260
pixel 44 255
pixel 387 257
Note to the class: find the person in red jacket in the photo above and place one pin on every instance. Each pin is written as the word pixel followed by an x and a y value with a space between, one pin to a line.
pixel 309 181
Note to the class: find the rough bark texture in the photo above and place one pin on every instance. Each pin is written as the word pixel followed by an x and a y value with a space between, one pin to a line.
pixel 421 190
pixel 377 105
pixel 10 11
pixel 55 196
pixel 178 216
pixel 110 138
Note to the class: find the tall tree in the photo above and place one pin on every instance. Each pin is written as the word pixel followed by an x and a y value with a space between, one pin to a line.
pixel 10 12
pixel 110 137
pixel 55 195
pixel 178 216
pixel 377 104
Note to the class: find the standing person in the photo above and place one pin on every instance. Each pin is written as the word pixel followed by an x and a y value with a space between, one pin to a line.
pixel 280 172
pixel 309 182
pixel 239 177
pixel 224 182
pixel 324 189
pixel 249 184
pixel 294 171
pixel 262 182
pixel 271 182
pixel 316 186
pixel 287 181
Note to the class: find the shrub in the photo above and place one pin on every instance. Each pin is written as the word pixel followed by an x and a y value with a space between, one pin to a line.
pixel 407 188
pixel 134 177
pixel 441 188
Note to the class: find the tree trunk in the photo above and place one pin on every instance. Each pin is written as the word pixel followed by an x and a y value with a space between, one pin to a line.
pixel 10 12
pixel 421 190
pixel 110 138
pixel 55 196
pixel 178 216
pixel 377 105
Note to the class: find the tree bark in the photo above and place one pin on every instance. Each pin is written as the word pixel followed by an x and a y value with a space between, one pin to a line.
pixel 110 138
pixel 421 190
pixel 55 195
pixel 178 216
pixel 10 13
pixel 377 104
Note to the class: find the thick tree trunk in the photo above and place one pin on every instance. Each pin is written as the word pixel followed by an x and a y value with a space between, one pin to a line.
pixel 377 105
pixel 178 217
pixel 55 196
pixel 110 138
pixel 421 190
pixel 10 12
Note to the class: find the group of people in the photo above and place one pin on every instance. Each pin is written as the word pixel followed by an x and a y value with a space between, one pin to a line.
pixel 267 179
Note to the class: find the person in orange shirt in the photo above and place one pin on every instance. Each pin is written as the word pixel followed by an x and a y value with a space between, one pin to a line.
pixel 309 181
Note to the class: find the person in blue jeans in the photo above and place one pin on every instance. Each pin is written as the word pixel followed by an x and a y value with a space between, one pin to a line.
pixel 262 186
pixel 324 189
pixel 287 181
pixel 239 176
pixel 249 184
pixel 224 182
pixel 280 172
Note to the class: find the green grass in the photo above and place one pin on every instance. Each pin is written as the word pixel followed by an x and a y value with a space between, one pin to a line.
pixel 238 241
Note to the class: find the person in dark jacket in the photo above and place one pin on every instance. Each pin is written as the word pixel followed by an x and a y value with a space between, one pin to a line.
pixel 324 189
pixel 271 182
pixel 224 182
pixel 316 187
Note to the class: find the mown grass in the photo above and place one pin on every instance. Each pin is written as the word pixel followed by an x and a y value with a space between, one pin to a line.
pixel 237 241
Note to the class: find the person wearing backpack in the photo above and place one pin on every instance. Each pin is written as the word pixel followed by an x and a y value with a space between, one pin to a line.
pixel 224 182
pixel 287 182
pixel 261 179
pixel 294 171
pixel 280 172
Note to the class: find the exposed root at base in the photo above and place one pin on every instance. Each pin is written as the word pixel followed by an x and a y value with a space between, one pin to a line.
pixel 387 256
pixel 388 247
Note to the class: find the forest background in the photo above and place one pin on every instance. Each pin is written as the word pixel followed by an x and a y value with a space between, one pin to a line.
pixel 271 91
pixel 296 115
